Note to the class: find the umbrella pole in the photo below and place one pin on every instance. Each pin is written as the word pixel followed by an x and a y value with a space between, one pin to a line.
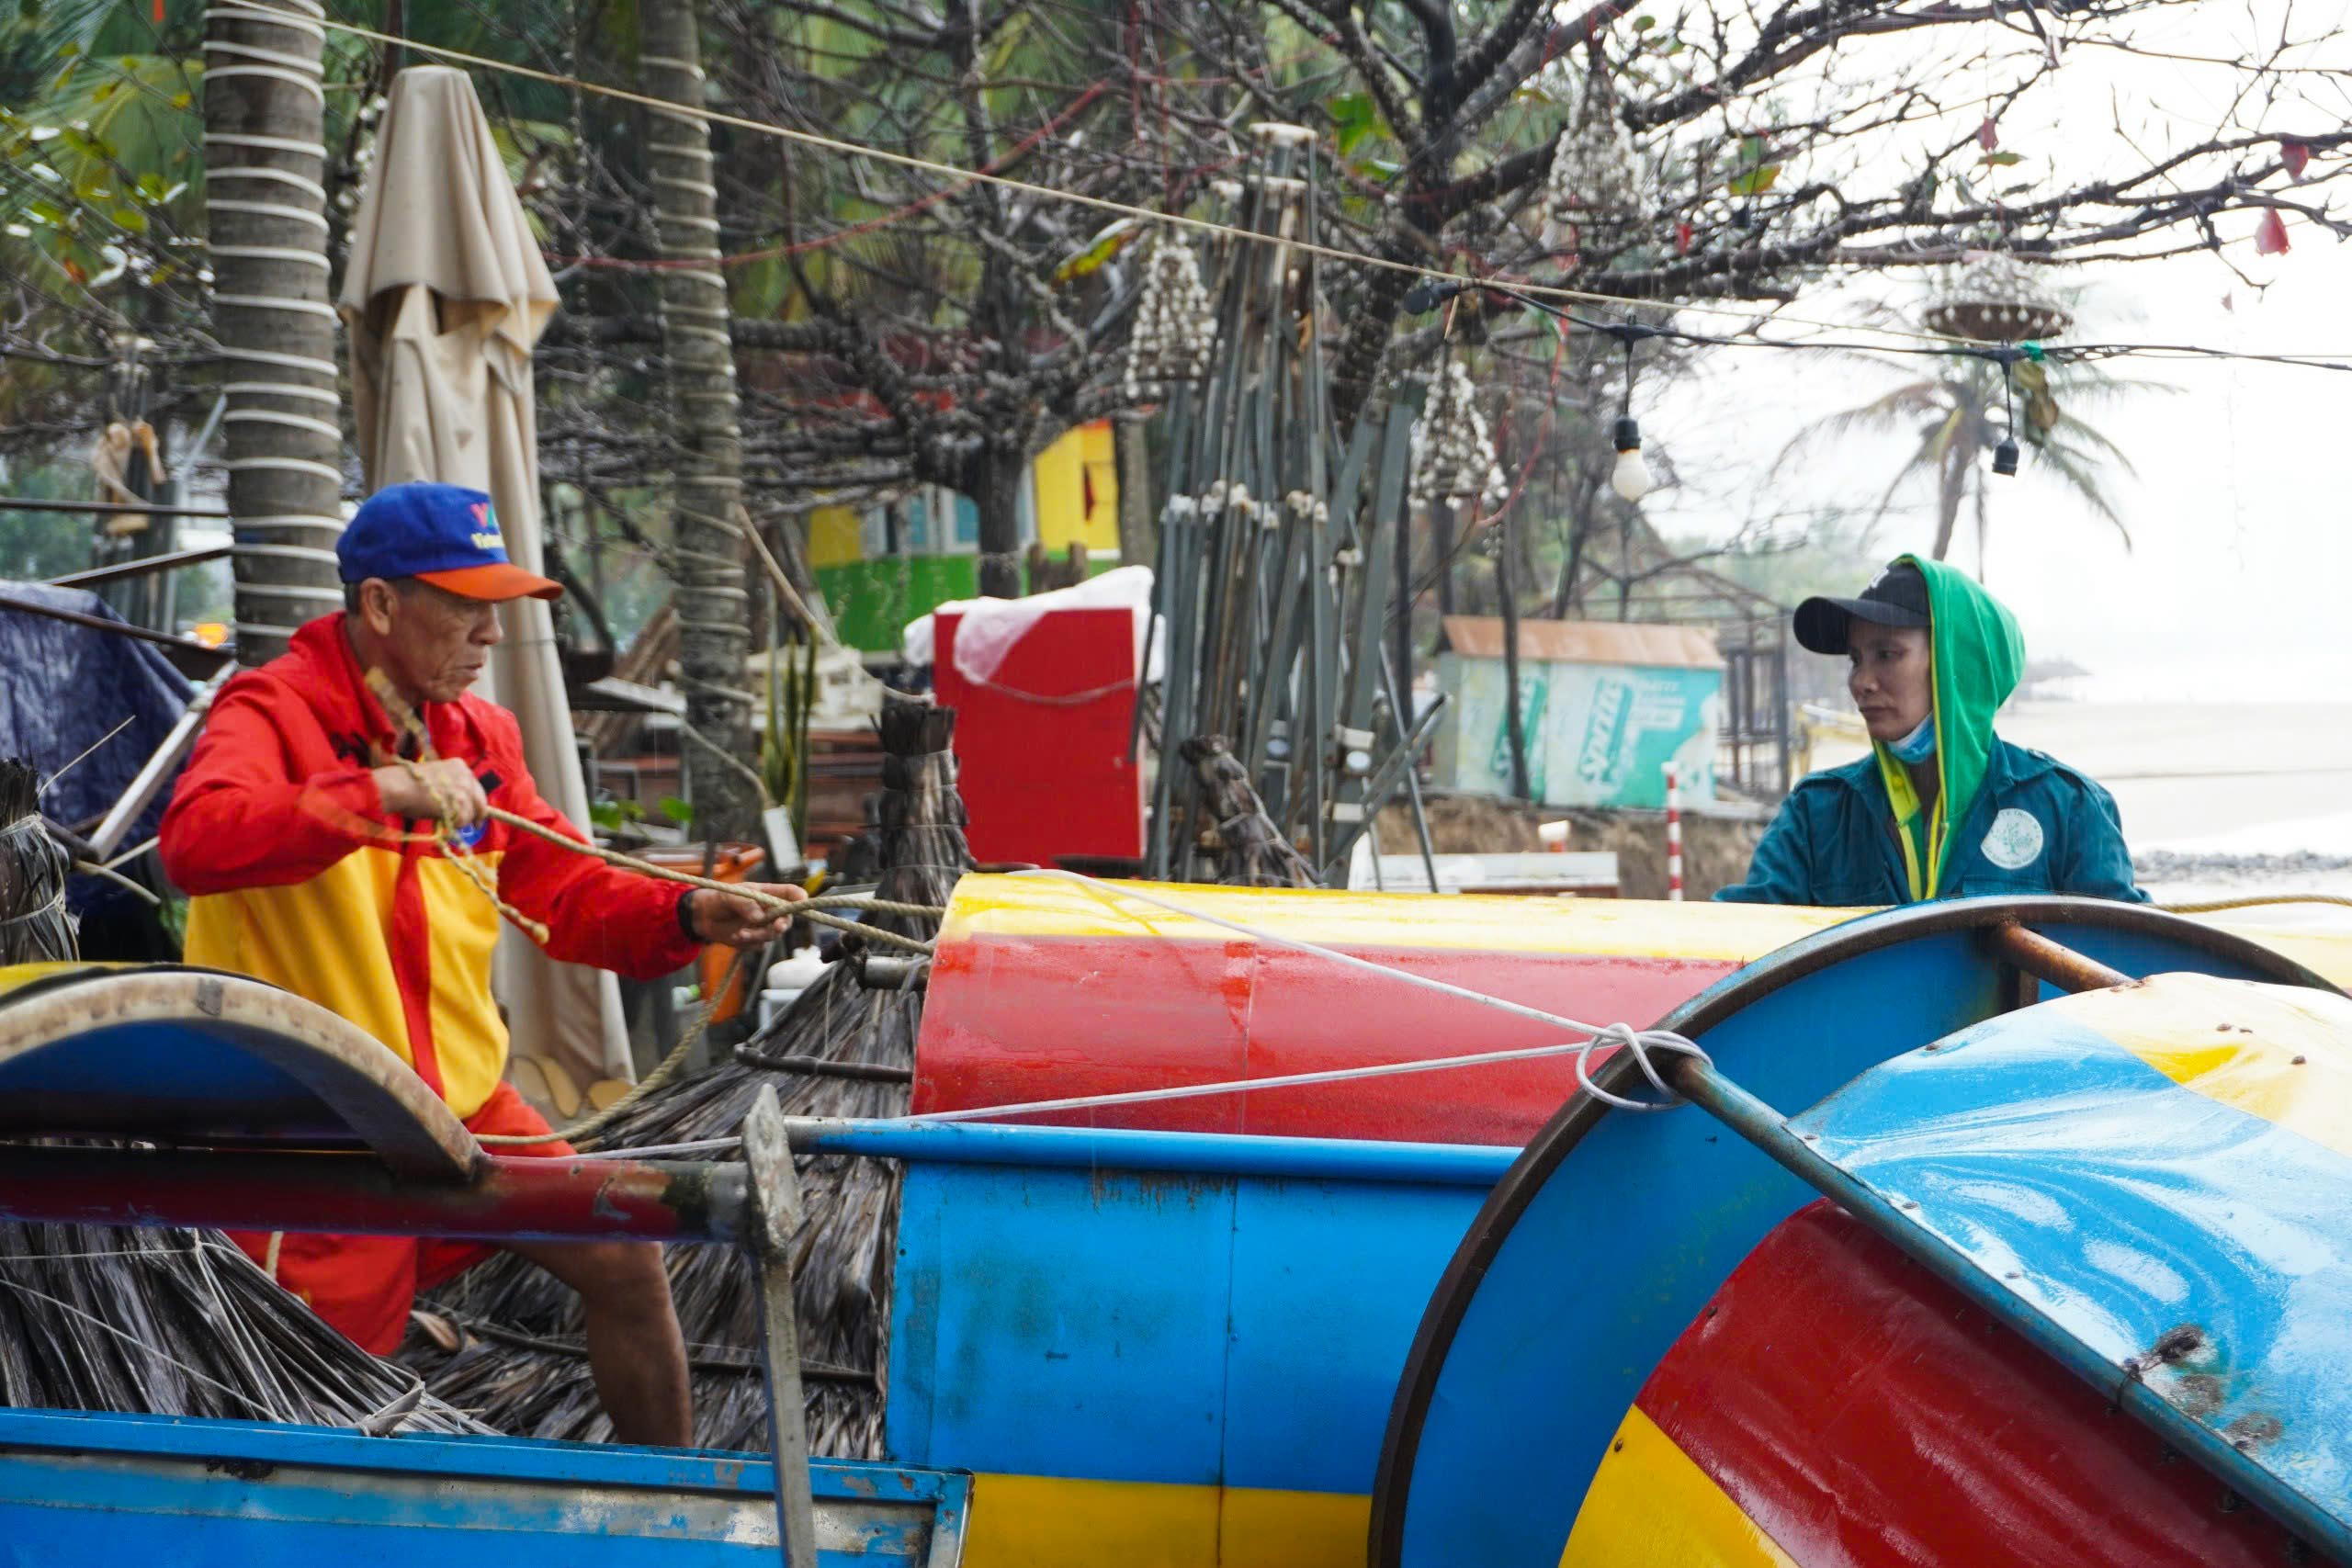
pixel 775 1187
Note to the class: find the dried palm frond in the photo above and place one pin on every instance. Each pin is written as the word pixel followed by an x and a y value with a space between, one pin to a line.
pixel 179 1323
pixel 35 927
pixel 156 1321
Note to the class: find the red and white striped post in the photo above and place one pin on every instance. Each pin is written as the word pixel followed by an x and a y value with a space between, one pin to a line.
pixel 1673 834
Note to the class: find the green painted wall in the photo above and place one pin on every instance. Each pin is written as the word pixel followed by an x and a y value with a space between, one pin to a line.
pixel 872 600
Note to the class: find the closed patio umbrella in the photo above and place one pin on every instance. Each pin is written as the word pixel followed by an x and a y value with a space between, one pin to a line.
pixel 444 297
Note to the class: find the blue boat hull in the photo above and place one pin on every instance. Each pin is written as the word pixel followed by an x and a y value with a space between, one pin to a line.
pixel 168 1493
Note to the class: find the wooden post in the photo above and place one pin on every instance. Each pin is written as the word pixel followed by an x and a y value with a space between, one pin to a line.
pixel 1514 718
pixel 775 1195
pixel 1673 833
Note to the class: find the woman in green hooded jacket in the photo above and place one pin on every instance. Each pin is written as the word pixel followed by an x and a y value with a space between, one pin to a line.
pixel 1943 808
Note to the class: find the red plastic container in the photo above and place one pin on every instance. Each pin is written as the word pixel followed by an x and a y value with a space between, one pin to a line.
pixel 1041 742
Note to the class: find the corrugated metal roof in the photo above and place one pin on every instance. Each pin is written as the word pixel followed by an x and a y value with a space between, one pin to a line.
pixel 1587 642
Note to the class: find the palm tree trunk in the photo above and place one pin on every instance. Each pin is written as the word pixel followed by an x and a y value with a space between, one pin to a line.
pixel 712 601
pixel 1950 488
pixel 1983 523
pixel 264 108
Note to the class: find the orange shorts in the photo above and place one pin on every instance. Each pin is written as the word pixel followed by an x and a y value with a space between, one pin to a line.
pixel 365 1284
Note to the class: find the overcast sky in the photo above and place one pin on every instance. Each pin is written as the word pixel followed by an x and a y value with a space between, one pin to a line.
pixel 2236 584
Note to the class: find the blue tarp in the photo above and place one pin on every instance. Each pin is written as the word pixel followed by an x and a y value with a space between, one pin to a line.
pixel 62 687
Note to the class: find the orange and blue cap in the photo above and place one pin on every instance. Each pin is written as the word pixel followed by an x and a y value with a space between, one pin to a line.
pixel 444 534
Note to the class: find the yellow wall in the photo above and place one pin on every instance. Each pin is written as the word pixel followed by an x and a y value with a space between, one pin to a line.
pixel 1059 477
pixel 835 535
pixel 1060 474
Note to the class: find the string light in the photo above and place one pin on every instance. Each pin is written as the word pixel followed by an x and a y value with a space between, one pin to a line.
pixel 1630 476
pixel 2004 455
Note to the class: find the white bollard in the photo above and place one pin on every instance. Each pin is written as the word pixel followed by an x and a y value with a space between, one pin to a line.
pixel 1673 834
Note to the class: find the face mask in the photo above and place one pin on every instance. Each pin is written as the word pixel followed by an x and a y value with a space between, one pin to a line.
pixel 1918 746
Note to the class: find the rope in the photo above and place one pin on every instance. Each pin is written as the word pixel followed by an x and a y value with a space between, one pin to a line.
pixel 107 873
pixel 1640 1042
pixel 1101 204
pixel 458 852
pixel 41 912
pixel 804 909
pixel 397 709
pixel 669 1067
pixel 1042 699
pixel 671 1064
pixel 51 782
pixel 2253 901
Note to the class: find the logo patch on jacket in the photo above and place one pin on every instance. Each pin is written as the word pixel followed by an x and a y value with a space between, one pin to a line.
pixel 2014 842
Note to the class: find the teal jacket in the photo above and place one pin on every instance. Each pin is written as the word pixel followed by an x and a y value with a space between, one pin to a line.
pixel 2036 825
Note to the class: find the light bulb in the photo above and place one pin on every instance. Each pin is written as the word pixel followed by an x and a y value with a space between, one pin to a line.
pixel 1631 477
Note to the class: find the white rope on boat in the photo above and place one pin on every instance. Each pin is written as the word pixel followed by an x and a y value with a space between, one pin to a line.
pixel 1640 1042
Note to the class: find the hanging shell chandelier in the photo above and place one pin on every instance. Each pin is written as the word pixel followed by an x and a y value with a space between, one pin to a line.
pixel 1453 454
pixel 1594 186
pixel 1996 299
pixel 1175 326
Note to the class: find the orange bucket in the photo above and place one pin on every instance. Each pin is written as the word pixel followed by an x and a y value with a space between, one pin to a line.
pixel 735 862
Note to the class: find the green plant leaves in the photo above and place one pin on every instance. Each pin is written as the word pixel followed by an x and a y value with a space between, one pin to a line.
pixel 1353 117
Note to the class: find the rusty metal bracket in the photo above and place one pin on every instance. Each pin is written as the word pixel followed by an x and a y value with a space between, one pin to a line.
pixel 891 971
pixel 2043 959
pixel 775 1199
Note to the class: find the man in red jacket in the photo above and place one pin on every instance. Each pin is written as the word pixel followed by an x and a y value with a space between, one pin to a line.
pixel 298 829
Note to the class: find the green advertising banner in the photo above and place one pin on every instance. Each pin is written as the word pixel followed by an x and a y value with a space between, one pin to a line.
pixel 1597 734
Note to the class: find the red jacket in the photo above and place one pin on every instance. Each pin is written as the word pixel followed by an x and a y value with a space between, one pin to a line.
pixel 298 877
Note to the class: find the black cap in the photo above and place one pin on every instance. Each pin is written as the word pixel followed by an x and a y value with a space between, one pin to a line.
pixel 1896 597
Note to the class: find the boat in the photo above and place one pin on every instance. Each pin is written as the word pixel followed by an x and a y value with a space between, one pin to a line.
pixel 1138 1346
pixel 1045 986
pixel 1550 1307
pixel 1996 1231
pixel 248 1107
pixel 83 1488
